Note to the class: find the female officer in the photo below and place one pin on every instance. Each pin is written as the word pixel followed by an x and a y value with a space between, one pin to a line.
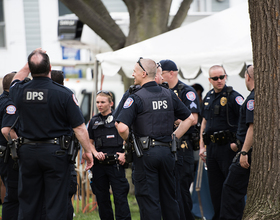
pixel 108 161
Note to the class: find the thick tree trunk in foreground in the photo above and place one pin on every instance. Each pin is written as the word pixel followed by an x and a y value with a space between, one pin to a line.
pixel 264 191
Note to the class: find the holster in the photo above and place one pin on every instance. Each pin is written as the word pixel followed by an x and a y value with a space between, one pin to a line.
pixel 206 138
pixel 144 142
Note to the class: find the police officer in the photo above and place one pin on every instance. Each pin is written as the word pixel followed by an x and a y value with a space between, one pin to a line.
pixel 58 76
pixel 47 113
pixel 235 185
pixel 9 168
pixel 220 115
pixel 150 113
pixel 108 169
pixel 185 163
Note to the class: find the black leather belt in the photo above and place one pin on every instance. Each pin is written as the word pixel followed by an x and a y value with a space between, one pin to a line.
pixel 159 143
pixel 46 141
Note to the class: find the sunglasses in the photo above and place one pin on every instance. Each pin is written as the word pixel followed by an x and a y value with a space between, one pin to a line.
pixel 215 78
pixel 247 67
pixel 141 65
pixel 105 92
pixel 158 65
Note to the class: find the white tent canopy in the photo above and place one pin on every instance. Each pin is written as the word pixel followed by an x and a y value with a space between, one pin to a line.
pixel 223 38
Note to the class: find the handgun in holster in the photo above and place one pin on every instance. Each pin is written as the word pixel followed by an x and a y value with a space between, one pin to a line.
pixel 74 148
pixel 136 147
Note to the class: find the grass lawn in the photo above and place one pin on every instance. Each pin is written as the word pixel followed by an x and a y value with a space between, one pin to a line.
pixel 134 209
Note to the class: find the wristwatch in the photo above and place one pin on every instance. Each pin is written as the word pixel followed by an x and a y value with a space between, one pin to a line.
pixel 244 153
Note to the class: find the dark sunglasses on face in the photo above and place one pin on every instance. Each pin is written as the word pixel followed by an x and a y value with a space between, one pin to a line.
pixel 215 78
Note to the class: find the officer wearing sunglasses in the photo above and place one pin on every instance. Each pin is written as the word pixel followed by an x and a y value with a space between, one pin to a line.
pixel 220 114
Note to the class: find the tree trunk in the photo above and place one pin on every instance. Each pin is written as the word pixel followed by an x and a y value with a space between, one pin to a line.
pixel 263 190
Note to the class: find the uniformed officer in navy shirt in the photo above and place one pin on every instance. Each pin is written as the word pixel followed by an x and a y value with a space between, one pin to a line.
pixel 47 113
pixel 185 163
pixel 58 76
pixel 220 114
pixel 9 168
pixel 150 113
pixel 108 169
pixel 235 186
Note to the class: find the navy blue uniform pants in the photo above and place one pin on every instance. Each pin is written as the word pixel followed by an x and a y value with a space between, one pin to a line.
pixel 184 177
pixel 11 203
pixel 154 181
pixel 219 159
pixel 102 177
pixel 43 179
pixel 234 192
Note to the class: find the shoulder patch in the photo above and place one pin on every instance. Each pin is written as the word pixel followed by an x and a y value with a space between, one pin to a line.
pixel 239 100
pixel 191 96
pixel 128 102
pixel 11 109
pixel 250 105
pixel 75 99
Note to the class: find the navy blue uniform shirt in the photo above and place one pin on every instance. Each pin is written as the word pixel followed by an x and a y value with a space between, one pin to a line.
pixel 130 110
pixel 246 116
pixel 46 109
pixel 8 114
pixel 214 110
pixel 189 97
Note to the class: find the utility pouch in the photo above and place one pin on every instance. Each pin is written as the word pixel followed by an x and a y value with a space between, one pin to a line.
pixel 145 142
pixel 195 141
pixel 206 138
pixel 65 142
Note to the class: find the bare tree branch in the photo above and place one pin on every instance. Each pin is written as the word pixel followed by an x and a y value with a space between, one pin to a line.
pixel 108 31
pixel 180 15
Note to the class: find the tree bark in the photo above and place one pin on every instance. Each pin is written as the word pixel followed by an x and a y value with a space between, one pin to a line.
pixel 263 197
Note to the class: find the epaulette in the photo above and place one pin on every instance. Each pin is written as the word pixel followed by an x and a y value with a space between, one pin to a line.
pixel 133 89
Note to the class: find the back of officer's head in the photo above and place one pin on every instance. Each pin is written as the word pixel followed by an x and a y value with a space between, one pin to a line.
pixel 7 79
pixel 57 76
pixel 39 63
pixel 150 67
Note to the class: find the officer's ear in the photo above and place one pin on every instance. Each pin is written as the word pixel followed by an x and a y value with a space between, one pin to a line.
pixel 112 103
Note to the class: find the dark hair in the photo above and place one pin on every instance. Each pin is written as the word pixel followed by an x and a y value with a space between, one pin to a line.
pixel 197 87
pixel 57 76
pixel 7 79
pixel 40 66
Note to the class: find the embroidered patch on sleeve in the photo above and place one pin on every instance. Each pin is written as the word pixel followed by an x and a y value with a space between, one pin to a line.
pixel 250 105
pixel 75 99
pixel 11 109
pixel 239 100
pixel 191 96
pixel 128 103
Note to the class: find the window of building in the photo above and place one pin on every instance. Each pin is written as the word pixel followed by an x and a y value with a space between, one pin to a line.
pixel 2 26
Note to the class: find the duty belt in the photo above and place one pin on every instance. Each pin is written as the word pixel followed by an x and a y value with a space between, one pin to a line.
pixel 220 137
pixel 46 141
pixel 159 143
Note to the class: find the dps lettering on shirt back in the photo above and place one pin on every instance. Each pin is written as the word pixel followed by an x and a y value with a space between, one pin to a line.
pixel 159 104
pixel 35 95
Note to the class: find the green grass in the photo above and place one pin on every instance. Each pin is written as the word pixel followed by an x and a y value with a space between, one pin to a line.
pixel 134 209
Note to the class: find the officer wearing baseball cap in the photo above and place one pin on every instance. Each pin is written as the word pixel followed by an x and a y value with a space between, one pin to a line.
pixel 189 141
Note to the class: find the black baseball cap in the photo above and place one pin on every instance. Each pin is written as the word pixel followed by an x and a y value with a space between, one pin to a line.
pixel 168 65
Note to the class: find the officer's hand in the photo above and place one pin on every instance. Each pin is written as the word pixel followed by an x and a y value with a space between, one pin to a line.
pixel 244 161
pixel 87 157
pixel 99 155
pixel 234 147
pixel 202 154
pixel 177 122
pixel 121 158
